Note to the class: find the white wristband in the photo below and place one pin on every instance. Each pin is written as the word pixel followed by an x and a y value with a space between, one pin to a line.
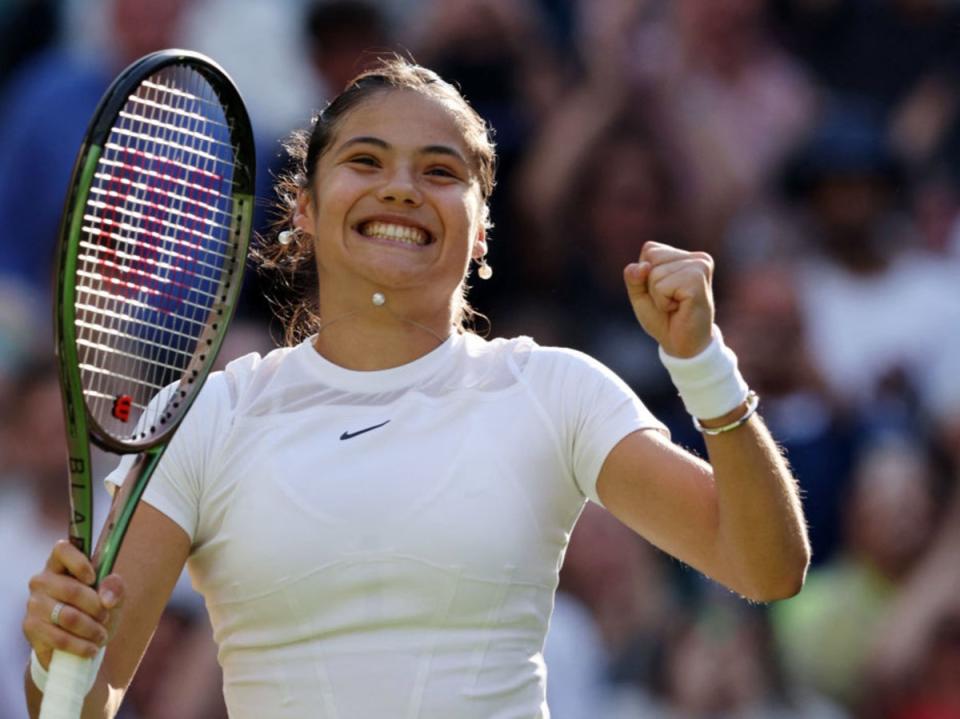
pixel 39 675
pixel 709 383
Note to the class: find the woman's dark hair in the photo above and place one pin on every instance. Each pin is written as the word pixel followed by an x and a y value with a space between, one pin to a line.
pixel 292 266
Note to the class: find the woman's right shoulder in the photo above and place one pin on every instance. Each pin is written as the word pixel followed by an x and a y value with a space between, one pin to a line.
pixel 246 376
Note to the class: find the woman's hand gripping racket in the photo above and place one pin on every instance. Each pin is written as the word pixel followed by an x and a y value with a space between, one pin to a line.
pixel 152 250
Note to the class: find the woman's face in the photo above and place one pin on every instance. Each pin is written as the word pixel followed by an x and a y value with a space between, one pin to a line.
pixel 396 206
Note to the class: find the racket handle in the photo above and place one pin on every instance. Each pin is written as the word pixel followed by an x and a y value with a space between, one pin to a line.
pixel 68 681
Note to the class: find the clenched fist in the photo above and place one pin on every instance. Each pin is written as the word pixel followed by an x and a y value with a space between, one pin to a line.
pixel 672 297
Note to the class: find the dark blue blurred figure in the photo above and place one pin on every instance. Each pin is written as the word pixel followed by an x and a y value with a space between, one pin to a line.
pixel 44 111
pixel 25 28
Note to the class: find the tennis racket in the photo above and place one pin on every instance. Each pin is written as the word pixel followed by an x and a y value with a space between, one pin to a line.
pixel 153 243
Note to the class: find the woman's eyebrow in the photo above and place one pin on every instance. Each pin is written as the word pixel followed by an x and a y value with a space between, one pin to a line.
pixel 426 150
pixel 443 150
pixel 364 140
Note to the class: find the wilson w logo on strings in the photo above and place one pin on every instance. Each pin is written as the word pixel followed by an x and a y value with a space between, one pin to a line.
pixel 150 223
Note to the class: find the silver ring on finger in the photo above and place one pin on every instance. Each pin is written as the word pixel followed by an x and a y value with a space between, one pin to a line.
pixel 55 614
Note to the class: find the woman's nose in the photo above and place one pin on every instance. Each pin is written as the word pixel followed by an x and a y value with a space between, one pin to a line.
pixel 400 188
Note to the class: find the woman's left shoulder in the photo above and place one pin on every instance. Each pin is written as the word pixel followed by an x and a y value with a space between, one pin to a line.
pixel 528 356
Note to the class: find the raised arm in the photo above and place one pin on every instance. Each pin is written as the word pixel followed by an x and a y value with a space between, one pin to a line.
pixel 124 611
pixel 737 519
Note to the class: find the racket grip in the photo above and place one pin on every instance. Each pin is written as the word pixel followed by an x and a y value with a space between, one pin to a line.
pixel 68 681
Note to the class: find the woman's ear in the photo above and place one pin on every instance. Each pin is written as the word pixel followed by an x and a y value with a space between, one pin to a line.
pixel 480 245
pixel 303 214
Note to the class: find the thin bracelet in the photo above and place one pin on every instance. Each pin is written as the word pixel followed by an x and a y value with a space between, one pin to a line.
pixel 753 401
pixel 709 383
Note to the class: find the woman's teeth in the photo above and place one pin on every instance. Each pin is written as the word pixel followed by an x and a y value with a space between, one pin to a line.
pixel 399 233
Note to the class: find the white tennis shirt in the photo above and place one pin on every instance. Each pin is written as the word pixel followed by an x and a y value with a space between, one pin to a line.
pixel 387 544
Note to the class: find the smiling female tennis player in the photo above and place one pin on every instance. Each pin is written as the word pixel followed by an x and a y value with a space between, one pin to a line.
pixel 377 515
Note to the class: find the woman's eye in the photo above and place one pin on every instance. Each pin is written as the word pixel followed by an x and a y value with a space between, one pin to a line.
pixel 441 172
pixel 367 160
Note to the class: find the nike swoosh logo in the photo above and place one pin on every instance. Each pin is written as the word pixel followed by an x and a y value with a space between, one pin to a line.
pixel 351 435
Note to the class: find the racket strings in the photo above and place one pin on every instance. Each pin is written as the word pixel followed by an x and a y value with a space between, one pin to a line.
pixel 155 250
pixel 139 209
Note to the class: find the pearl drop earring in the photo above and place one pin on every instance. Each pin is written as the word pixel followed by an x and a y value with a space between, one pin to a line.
pixel 484 271
pixel 285 237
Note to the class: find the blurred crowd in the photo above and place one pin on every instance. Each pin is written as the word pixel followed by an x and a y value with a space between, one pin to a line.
pixel 811 146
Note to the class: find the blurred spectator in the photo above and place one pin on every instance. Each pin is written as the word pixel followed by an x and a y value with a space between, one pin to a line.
pixel 935 693
pixel 935 206
pixel 262 46
pixel 913 659
pixel 313 45
pixel 864 259
pixel 624 584
pixel 33 509
pixel 501 55
pixel 344 38
pixel 594 199
pixel 719 661
pixel 576 660
pixel 901 56
pixel 44 112
pixel 764 324
pixel 734 101
pixel 827 631
pixel 22 313
pixel 178 677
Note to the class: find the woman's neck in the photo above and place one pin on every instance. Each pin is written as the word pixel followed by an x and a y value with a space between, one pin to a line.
pixel 378 337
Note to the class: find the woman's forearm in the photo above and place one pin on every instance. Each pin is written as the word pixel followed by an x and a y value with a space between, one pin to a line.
pixel 761 530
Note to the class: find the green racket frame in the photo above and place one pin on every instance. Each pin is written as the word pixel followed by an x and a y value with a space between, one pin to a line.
pixel 81 425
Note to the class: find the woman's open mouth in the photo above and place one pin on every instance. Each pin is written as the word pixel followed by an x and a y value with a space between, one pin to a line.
pixel 392 232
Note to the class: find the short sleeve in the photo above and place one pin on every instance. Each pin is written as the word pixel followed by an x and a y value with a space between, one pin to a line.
pixel 591 408
pixel 176 487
